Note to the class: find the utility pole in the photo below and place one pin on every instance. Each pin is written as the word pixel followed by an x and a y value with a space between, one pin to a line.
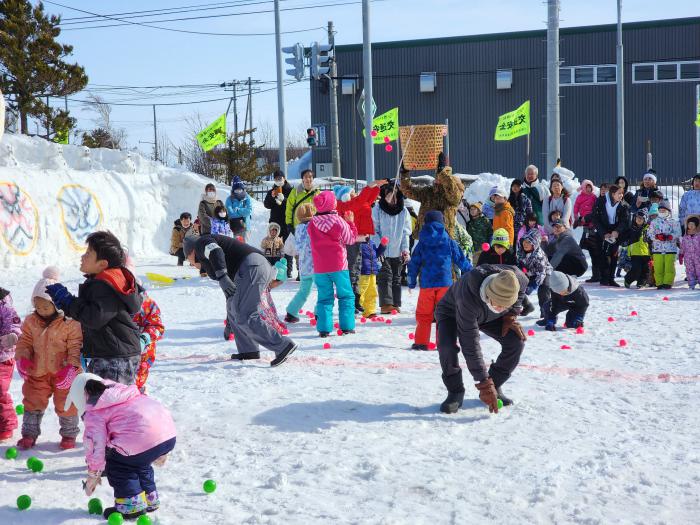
pixel 553 122
pixel 335 134
pixel 281 130
pixel 367 85
pixel 235 110
pixel 155 134
pixel 48 120
pixel 250 103
pixel 620 96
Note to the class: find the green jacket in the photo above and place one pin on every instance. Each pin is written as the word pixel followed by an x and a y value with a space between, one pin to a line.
pixel 464 240
pixel 297 197
pixel 637 242
pixel 480 231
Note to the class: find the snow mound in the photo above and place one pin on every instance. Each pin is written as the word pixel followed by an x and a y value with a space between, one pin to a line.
pixel 52 196
pixel 479 189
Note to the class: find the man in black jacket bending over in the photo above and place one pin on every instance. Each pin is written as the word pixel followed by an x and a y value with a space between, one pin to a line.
pixel 243 274
pixel 487 299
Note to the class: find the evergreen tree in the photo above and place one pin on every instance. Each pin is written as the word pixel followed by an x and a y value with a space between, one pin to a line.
pixel 32 65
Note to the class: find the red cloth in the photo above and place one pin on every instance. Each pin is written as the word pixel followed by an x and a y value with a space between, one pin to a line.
pixel 8 417
pixel 118 278
pixel 361 206
pixel 425 312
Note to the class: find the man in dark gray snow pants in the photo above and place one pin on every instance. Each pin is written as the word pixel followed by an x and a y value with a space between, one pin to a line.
pixel 223 257
pixel 487 299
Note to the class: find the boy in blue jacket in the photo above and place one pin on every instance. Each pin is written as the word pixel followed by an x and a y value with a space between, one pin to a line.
pixel 369 269
pixel 239 208
pixel 433 258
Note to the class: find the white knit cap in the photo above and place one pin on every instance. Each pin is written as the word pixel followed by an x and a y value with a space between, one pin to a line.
pixel 650 176
pixel 51 275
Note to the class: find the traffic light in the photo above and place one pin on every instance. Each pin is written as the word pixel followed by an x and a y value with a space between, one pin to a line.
pixel 296 60
pixel 311 137
pixel 320 60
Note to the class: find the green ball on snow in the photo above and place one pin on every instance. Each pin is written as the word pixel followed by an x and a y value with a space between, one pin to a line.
pixel 24 502
pixel 95 506
pixel 115 519
pixel 19 409
pixel 11 453
pixel 144 520
pixel 209 486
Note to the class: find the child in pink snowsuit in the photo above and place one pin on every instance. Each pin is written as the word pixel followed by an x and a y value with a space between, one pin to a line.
pixel 690 251
pixel 125 433
pixel 10 330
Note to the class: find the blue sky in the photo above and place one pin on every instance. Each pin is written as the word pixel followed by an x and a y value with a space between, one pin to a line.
pixel 140 56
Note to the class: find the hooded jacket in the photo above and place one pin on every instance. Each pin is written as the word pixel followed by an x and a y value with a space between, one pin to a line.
pixel 463 303
pixel 126 421
pixel 396 228
pixel 205 212
pixel 329 235
pixel 50 346
pixel 361 207
pixel 177 236
pixel 433 258
pixel 240 208
pixel 272 246
pixel 535 262
pixel 278 207
pixel 10 323
pixel 537 193
pixel 690 205
pixel 105 307
pixel 298 196
pixel 636 240
pixel 562 246
pixel 522 207
pixel 370 254
pixel 302 242
pixel 480 230
pixel 503 217
pixel 584 204
pixel 670 229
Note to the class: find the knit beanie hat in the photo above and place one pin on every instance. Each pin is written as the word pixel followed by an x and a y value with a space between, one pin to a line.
pixel 434 216
pixel 502 290
pixel 501 237
pixel 305 212
pixel 558 282
pixel 664 206
pixel 237 184
pixel 476 205
pixel 654 209
pixel 325 201
pixel 51 275
pixel 651 176
pixel 342 193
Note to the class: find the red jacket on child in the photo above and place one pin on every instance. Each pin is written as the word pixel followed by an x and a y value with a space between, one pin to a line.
pixel 361 207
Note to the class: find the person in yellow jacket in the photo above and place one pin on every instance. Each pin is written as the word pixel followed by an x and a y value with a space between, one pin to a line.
pixel 301 193
pixel 638 250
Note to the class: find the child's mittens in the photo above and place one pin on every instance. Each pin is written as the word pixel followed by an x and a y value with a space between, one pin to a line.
pixel 281 267
pixel 384 241
pixel 24 366
pixel 90 484
pixel 145 341
pixel 65 377
pixel 8 341
pixel 60 296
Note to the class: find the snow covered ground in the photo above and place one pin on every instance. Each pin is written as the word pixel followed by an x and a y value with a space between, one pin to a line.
pixel 598 434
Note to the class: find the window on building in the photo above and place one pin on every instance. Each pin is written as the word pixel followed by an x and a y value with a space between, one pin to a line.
pixel 666 72
pixel 587 75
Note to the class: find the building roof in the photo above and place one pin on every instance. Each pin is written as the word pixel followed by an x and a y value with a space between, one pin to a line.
pixel 539 33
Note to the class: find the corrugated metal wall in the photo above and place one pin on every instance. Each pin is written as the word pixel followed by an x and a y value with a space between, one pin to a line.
pixel 466 94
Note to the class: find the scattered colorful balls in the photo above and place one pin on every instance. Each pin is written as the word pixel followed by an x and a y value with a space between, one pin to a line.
pixel 339 332
pixel 115 519
pixel 530 332
pixel 411 336
pixel 11 453
pixel 309 314
pixel 387 139
pixel 30 462
pixel 611 319
pixel 326 346
pixel 373 133
pixel 95 506
pixel 209 486
pixel 634 313
pixel 485 247
pixel 665 299
pixel 144 520
pixel 363 320
pixel 388 321
pixel 565 347
pixel 622 342
pixel 389 148
pixel 37 466
pixel 19 409
pixel 24 502
pixel 313 322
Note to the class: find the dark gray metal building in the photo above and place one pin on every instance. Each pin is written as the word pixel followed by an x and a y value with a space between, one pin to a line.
pixel 662 70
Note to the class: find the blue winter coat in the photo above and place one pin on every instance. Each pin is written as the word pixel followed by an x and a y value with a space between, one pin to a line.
pixel 690 205
pixel 433 258
pixel 240 209
pixel 396 228
pixel 303 245
pixel 370 257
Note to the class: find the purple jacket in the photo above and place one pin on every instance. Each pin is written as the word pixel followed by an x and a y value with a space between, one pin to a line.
pixel 127 421
pixel 370 257
pixel 10 323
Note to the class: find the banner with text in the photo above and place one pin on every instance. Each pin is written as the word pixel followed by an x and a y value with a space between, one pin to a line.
pixel 514 124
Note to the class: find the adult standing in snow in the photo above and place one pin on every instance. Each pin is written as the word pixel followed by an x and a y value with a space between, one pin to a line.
pixel 206 208
pixel 611 219
pixel 276 202
pixel 565 255
pixel 391 220
pixel 558 200
pixel 690 202
pixel 488 299
pixel 243 274
pixel 642 197
pixel 239 207
pixel 444 195
pixel 622 182
pixel 303 192
pixel 535 190
pixel 520 203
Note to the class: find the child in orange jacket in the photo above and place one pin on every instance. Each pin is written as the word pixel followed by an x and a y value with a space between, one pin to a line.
pixel 48 359
pixel 503 213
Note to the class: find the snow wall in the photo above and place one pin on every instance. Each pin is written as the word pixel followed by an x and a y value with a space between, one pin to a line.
pixel 52 196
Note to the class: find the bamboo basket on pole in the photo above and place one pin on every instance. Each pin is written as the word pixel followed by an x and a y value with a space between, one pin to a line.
pixel 421 145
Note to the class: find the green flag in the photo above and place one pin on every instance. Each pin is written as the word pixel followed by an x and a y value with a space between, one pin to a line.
pixel 213 134
pixel 514 124
pixel 386 125
pixel 61 136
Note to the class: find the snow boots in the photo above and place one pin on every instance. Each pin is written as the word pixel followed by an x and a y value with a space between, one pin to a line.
pixel 284 354
pixel 245 356
pixel 455 393
pixel 130 508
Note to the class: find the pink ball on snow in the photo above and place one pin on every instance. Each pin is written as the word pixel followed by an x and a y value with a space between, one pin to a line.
pixel 231 337
pixel 388 321
pixel 634 313
pixel 301 311
pixel 530 332
pixel 363 320
pixel 394 312
pixel 622 342
pixel 565 347
pixel 485 247
pixel 411 336
pixel 339 332
pixel 579 330
pixel 336 325
pixel 326 346
pixel 665 299
pixel 285 332
pixel 432 346
pixel 611 319
pixel 313 322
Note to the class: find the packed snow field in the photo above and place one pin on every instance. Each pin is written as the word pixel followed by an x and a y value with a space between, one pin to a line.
pixel 599 433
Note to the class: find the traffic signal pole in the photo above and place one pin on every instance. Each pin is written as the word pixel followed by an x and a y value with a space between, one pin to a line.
pixel 367 85
pixel 280 93
pixel 335 135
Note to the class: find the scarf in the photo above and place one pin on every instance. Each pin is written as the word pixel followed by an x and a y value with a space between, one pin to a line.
pixel 611 210
pixel 392 201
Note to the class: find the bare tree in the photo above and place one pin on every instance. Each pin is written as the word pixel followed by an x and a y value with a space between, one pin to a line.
pixel 103 125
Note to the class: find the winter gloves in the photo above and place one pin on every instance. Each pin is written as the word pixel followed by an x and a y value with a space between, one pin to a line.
pixel 93 479
pixel 227 286
pixel 60 296
pixel 663 237
pixel 65 376
pixel 510 322
pixel 8 341
pixel 24 367
pixel 488 394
